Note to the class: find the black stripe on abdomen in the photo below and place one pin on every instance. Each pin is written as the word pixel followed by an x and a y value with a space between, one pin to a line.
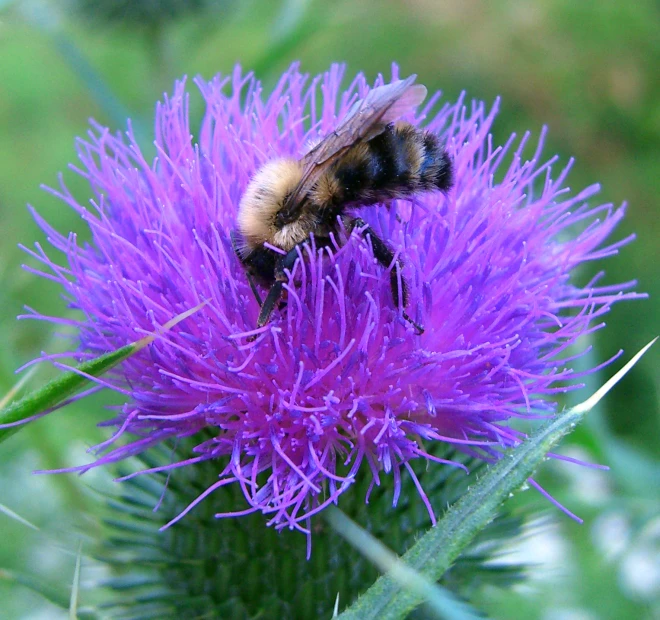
pixel 395 164
pixel 436 169
pixel 389 164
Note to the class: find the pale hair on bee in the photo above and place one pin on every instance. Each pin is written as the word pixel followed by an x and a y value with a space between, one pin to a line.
pixel 263 199
pixel 370 157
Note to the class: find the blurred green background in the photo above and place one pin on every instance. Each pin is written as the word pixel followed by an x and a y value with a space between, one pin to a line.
pixel 588 69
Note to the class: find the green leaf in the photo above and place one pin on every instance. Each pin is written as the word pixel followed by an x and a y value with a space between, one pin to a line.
pixel 75 586
pixel 439 599
pixel 10 513
pixel 61 388
pixel 47 20
pixel 51 592
pixel 14 391
pixel 96 85
pixel 442 544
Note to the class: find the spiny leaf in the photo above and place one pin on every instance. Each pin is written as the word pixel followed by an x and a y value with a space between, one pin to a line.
pixel 10 513
pixel 9 396
pixel 55 392
pixel 51 592
pixel 434 553
pixel 438 599
pixel 75 586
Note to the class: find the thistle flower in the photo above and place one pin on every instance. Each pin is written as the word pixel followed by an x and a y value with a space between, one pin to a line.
pixel 338 386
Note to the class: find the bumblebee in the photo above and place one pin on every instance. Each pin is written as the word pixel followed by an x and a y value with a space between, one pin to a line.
pixel 371 157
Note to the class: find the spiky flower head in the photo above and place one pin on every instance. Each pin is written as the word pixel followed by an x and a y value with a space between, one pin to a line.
pixel 338 385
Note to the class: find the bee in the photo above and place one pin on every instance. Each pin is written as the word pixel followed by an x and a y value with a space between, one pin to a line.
pixel 371 157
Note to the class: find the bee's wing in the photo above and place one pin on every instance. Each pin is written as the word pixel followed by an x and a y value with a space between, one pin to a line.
pixel 366 119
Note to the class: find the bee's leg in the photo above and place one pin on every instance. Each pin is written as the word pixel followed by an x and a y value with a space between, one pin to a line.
pixel 269 304
pixel 283 263
pixel 384 255
pixel 250 279
pixel 253 286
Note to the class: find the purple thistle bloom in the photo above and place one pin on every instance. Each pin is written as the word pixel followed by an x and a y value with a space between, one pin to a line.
pixel 338 385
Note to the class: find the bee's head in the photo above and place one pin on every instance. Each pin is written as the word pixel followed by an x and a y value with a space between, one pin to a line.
pixel 263 211
pixel 286 214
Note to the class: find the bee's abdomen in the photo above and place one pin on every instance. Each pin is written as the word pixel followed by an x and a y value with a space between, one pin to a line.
pixel 435 171
pixel 397 163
